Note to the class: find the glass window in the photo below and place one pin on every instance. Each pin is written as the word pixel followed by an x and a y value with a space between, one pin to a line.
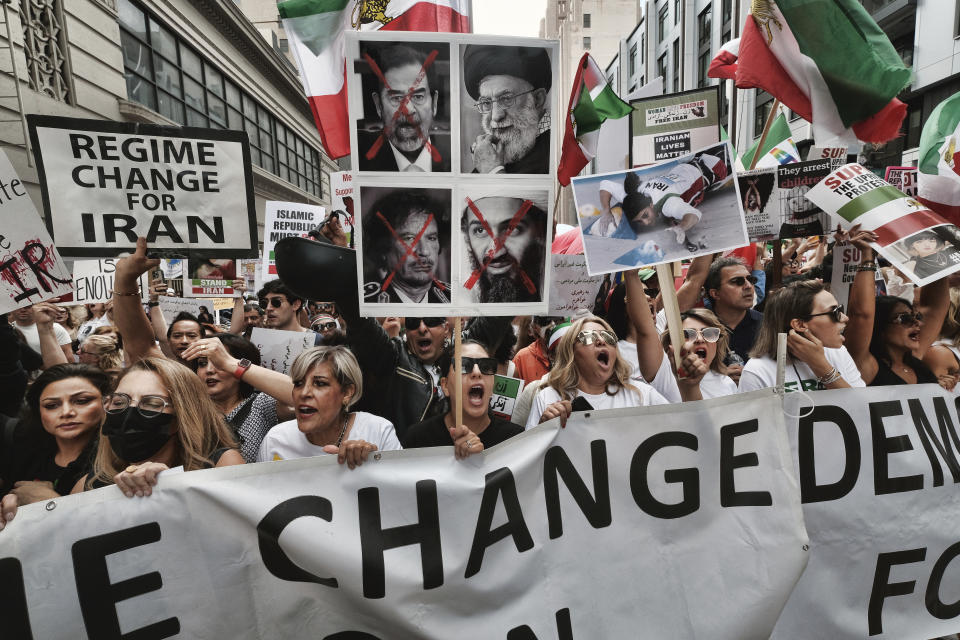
pixel 703 65
pixel 662 67
pixel 136 56
pixel 190 63
pixel 662 23
pixel 676 64
pixel 193 93
pixel 163 41
pixel 233 95
pixel 213 79
pixel 216 109
pixel 704 27
pixel 586 21
pixel 632 65
pixel 196 119
pixel 762 110
pixel 168 76
pixel 235 119
pixel 170 107
pixel 586 42
pixel 132 18
pixel 249 107
pixel 676 11
pixel 139 90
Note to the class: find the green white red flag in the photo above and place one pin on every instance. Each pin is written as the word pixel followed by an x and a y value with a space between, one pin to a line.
pixel 939 170
pixel 828 61
pixel 592 101
pixel 778 147
pixel 315 31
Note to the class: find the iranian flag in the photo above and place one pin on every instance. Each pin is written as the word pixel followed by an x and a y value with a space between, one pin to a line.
pixel 315 31
pixel 778 147
pixel 592 101
pixel 938 175
pixel 829 62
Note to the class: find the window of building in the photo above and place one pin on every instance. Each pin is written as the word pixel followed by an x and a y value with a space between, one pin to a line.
pixel 586 42
pixel 676 11
pixel 662 66
pixel 632 64
pixel 703 65
pixel 726 10
pixel 704 50
pixel 704 27
pixel 643 49
pixel 45 49
pixel 166 75
pixel 586 21
pixel 662 23
pixel 677 63
pixel 764 104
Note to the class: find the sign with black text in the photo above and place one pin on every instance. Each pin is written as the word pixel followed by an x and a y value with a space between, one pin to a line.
pixel 285 220
pixel 673 125
pixel 187 190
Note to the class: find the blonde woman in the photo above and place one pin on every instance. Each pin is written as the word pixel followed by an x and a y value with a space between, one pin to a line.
pixel 943 357
pixel 588 366
pixel 103 352
pixel 705 336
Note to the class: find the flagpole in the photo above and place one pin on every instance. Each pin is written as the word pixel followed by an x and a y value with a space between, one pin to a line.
pixel 766 129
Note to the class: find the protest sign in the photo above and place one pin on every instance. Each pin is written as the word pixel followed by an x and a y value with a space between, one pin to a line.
pixel 878 480
pixel 93 282
pixel 172 268
pixel 341 201
pixel 761 202
pixel 104 183
pixel 665 212
pixel 31 269
pixel 903 178
pixel 846 259
pixel 836 155
pixel 249 271
pixel 799 217
pixel 914 239
pixel 674 125
pixel 284 220
pixel 172 306
pixel 506 390
pixel 675 521
pixel 210 277
pixel 571 287
pixel 278 348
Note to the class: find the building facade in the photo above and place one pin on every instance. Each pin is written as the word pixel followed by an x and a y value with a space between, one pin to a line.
pixel 173 62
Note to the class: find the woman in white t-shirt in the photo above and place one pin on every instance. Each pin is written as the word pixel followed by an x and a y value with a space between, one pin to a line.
pixel 327 381
pixel 588 366
pixel 943 356
pixel 814 324
pixel 705 336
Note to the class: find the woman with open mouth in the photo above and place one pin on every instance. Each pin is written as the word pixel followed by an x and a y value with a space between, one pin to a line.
pixel 706 337
pixel 327 381
pixel 588 366
pixel 481 429
pixel 816 358
pixel 889 336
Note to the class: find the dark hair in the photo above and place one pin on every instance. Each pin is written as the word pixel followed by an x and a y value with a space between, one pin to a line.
pixel 535 215
pixel 883 312
pixel 616 314
pixel 634 203
pixel 394 56
pixel 252 307
pixel 445 361
pixel 278 287
pixel 715 273
pixel 186 316
pixel 240 347
pixel 396 207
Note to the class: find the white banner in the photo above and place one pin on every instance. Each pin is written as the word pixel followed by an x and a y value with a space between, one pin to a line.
pixel 282 220
pixel 571 287
pixel 31 269
pixel 878 478
pixel 172 306
pixel 184 189
pixel 93 282
pixel 278 348
pixel 659 522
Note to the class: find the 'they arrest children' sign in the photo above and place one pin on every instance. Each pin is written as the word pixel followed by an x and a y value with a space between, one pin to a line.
pixel 187 190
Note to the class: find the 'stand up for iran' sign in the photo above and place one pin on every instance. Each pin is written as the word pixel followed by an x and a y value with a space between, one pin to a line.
pixel 106 183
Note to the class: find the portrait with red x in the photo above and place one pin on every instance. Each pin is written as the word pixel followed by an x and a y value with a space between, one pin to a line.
pixel 405 124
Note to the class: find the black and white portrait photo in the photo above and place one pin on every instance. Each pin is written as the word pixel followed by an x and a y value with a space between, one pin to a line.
pixel 505 109
pixel 504 245
pixel 405 123
pixel 405 245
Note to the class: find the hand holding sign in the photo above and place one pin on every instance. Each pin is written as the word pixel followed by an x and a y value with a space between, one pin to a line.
pixel 130 268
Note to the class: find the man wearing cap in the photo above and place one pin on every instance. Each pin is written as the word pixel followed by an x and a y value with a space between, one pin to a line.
pixel 509 86
pixel 406 106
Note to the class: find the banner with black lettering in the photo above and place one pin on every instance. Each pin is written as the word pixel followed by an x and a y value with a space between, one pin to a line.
pixel 659 522
pixel 106 183
pixel 878 478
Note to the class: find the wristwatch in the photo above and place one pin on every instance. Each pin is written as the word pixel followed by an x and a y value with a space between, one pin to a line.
pixel 242 367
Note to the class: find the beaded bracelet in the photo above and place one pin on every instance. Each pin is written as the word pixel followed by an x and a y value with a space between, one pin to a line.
pixel 830 378
pixel 120 293
pixel 867 266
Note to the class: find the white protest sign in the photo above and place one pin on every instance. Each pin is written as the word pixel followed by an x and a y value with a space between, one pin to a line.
pixel 31 269
pixel 836 155
pixel 506 390
pixel 172 268
pixel 278 348
pixel 571 287
pixel 282 220
pixel 678 522
pixel 210 277
pixel 761 202
pixel 846 259
pixel 172 306
pixel 914 239
pixel 93 282
pixel 341 201
pixel 903 178
pixel 673 125
pixel 105 183
pixel 878 478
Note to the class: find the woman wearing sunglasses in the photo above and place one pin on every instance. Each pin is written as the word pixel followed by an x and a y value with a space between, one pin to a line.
pixel 704 336
pixel 327 381
pixel 481 429
pixel 588 365
pixel 814 324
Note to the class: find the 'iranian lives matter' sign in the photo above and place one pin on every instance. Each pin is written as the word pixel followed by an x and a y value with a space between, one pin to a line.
pixel 187 190
pixel 31 269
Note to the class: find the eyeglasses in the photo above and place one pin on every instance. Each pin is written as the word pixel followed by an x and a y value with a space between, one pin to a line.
pixel 709 334
pixel 739 281
pixel 590 336
pixel 324 326
pixel 325 307
pixel 148 406
pixel 907 318
pixel 505 101
pixel 416 99
pixel 276 303
pixel 836 314
pixel 413 324
pixel 488 366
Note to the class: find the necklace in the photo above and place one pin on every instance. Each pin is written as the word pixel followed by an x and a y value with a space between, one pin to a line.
pixel 343 430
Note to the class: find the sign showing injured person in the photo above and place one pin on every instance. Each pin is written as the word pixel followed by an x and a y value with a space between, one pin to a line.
pixel 676 209
pixel 673 125
pixel 106 183
pixel 914 239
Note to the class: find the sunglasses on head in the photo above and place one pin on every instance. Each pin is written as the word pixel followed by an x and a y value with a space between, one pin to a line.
pixel 836 314
pixel 276 303
pixel 907 318
pixel 709 334
pixel 413 324
pixel 488 366
pixel 739 281
pixel 590 336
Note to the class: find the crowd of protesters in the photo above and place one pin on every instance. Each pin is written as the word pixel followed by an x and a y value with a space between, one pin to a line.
pixel 116 393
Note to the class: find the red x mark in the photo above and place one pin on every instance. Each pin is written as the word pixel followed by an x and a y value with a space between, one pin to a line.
pixel 402 109
pixel 498 243
pixel 409 250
